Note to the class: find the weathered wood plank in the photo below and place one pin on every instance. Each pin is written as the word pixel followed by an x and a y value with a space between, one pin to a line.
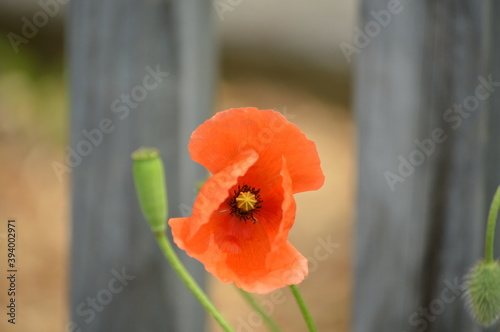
pixel 413 242
pixel 114 47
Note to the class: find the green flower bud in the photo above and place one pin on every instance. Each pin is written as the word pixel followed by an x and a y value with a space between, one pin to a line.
pixel 483 292
pixel 149 181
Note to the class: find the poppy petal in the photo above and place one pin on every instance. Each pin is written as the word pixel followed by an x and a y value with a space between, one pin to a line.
pixel 284 266
pixel 212 194
pixel 230 132
pixel 278 213
pixel 240 253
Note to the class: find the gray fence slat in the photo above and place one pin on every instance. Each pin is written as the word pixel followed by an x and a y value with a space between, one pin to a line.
pixel 414 242
pixel 112 47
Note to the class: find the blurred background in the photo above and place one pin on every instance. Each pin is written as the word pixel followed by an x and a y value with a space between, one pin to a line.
pixel 282 55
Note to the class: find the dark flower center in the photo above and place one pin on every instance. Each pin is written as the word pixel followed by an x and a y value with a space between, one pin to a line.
pixel 245 203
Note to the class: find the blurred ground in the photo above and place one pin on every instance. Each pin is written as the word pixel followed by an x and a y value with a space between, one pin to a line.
pixel 32 130
pixel 30 140
pixel 40 207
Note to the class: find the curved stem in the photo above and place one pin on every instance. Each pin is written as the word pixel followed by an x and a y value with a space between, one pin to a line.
pixel 263 313
pixel 490 229
pixel 303 309
pixel 188 280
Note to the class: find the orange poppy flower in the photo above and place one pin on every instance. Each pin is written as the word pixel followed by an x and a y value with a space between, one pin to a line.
pixel 243 213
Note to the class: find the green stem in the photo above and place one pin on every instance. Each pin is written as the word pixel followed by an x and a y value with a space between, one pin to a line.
pixel 263 313
pixel 490 229
pixel 303 309
pixel 188 280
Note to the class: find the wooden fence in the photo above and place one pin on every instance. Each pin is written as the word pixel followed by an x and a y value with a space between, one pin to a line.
pixel 426 118
pixel 141 73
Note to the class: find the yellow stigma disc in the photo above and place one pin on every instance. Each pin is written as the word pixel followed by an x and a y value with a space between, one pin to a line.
pixel 246 201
